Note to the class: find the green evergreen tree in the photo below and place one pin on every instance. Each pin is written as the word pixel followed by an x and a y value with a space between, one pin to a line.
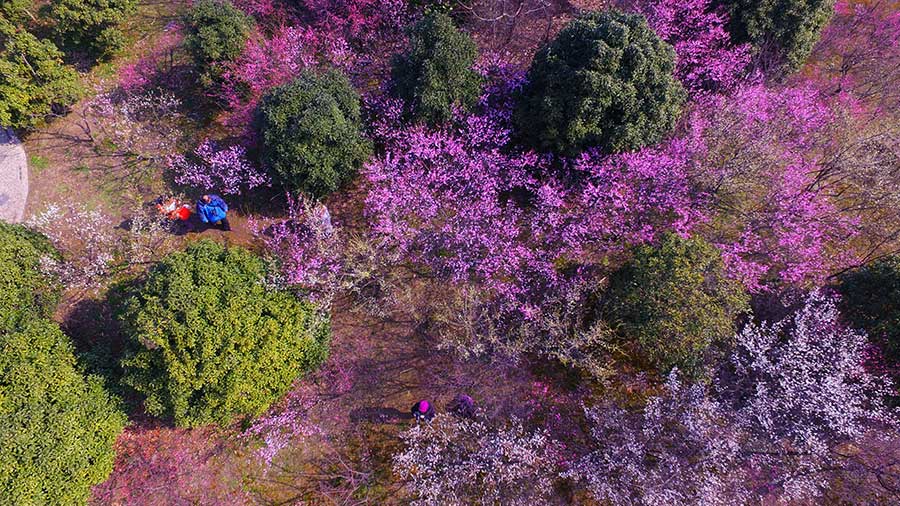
pixel 606 80
pixel 785 29
pixel 33 78
pixel 673 301
pixel 93 26
pixel 216 34
pixel 311 133
pixel 436 74
pixel 25 292
pixel 211 342
pixel 57 427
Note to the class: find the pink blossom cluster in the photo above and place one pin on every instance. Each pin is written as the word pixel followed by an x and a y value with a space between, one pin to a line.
pixel 347 34
pixel 284 422
pixel 84 239
pixel 461 461
pixel 155 66
pixel 223 169
pixel 157 466
pixel 772 427
pixel 763 166
pixel 307 247
pixel 697 30
pixel 465 203
pixel 360 21
pixel 265 63
pixel 859 52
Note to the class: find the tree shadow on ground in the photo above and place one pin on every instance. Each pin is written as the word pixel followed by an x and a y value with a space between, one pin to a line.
pixel 379 415
pixel 100 340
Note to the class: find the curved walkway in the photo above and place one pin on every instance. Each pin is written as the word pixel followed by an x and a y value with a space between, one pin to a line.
pixel 13 177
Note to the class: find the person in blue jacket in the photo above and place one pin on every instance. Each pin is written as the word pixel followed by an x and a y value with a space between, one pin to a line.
pixel 212 209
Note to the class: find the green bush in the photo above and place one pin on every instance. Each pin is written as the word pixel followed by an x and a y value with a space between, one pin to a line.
pixel 606 81
pixel 871 301
pixel 436 73
pixel 674 301
pixel 33 78
pixel 311 133
pixel 25 292
pixel 92 26
pixel 57 427
pixel 216 34
pixel 16 11
pixel 786 29
pixel 211 342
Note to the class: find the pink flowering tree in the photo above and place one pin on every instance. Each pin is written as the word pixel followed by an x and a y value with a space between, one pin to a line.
pixel 680 449
pixel 356 36
pixel 135 130
pixel 859 52
pixel 158 466
pixel 84 238
pixel 697 30
pixel 507 229
pixel 309 249
pixel 157 65
pixel 267 61
pixel 777 218
pixel 223 169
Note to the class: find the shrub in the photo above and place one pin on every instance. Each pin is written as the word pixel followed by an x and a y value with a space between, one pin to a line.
pixel 674 301
pixel 606 80
pixel 33 78
pixel 211 341
pixel 91 25
pixel 436 74
pixel 785 29
pixel 311 132
pixel 871 301
pixel 57 427
pixel 216 33
pixel 25 292
pixel 16 11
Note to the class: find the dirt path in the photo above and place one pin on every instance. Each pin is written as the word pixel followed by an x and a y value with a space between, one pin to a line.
pixel 13 177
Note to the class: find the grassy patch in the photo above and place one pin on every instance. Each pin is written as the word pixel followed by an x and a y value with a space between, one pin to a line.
pixel 38 163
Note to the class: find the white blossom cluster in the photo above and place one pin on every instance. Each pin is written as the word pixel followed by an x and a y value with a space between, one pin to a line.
pixel 86 244
pixel 793 394
pixel 680 450
pixel 453 461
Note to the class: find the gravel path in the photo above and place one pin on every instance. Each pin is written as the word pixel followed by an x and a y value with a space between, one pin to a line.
pixel 13 177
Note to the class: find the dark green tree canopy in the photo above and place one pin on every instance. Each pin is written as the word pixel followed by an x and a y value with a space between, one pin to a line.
pixel 91 25
pixel 785 29
pixel 216 33
pixel 436 74
pixel 25 292
pixel 57 427
pixel 606 81
pixel 212 342
pixel 871 301
pixel 673 300
pixel 33 78
pixel 311 133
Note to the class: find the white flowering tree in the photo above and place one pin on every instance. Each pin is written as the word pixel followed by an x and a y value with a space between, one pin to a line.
pixel 84 238
pixel 799 389
pixel 681 449
pixel 455 461
pixel 792 400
